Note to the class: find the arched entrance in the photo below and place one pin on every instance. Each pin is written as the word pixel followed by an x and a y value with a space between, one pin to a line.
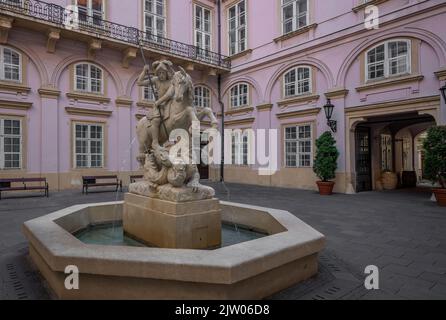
pixel 389 144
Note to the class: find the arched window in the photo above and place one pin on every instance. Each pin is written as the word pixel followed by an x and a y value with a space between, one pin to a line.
pixel 10 65
pixel 202 97
pixel 297 81
pixel 88 78
pixel 388 59
pixel 240 95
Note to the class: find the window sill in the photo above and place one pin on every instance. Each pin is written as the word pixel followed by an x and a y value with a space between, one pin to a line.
pixel 14 86
pixel 390 82
pixel 296 32
pixel 88 97
pixel 237 111
pixel 364 5
pixel 239 55
pixel 298 99
pixel 88 112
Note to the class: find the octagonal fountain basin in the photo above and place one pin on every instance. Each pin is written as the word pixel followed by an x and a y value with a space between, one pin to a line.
pixel 263 252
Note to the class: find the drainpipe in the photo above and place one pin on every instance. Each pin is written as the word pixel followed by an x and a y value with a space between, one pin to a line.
pixel 222 106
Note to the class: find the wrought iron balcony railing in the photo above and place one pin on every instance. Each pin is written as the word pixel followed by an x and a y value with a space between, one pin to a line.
pixel 97 27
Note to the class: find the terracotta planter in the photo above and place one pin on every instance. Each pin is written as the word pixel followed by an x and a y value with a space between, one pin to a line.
pixel 440 195
pixel 325 188
pixel 389 180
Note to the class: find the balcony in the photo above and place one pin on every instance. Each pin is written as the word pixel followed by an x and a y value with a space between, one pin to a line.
pixel 44 16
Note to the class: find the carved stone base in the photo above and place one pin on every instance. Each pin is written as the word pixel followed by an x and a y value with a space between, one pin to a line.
pixel 166 224
pixel 169 193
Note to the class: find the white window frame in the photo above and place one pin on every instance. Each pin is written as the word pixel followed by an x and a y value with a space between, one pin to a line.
pixel 296 15
pixel 91 12
pixel 201 32
pixel 297 140
pixel 2 64
pixel 239 96
pixel 203 100
pixel 387 60
pixel 89 139
pixel 2 143
pixel 88 78
pixel 238 28
pixel 147 89
pixel 240 147
pixel 297 82
pixel 155 32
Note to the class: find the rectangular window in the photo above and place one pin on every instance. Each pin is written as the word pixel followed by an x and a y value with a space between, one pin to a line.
pixel 203 30
pixel 91 12
pixel 298 146
pixel 10 65
pixel 237 28
pixel 154 19
pixel 10 144
pixel 294 15
pixel 240 148
pixel 89 146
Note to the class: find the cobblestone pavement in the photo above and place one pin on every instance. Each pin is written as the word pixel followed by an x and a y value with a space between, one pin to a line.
pixel 402 232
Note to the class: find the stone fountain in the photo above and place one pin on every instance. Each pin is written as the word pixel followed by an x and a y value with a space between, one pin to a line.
pixel 174 236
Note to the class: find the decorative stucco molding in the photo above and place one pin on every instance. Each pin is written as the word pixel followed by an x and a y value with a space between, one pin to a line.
pixel 53 37
pixel 296 33
pixel 88 97
pixel 5 26
pixel 365 4
pixel 15 105
pixel 239 122
pixel 88 112
pixel 49 92
pixel 128 55
pixel 299 114
pixel 15 87
pixel 240 54
pixel 441 74
pixel 336 93
pixel 145 104
pixel 299 99
pixel 390 82
pixel 238 111
pixel 265 107
pixel 124 102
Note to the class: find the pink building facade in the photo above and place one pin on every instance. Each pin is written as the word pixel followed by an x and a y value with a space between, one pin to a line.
pixel 69 102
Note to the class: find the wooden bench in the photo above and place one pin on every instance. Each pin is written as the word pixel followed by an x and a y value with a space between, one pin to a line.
pixel 6 185
pixel 92 181
pixel 134 178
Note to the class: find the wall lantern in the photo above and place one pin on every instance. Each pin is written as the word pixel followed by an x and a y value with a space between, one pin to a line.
pixel 443 92
pixel 328 108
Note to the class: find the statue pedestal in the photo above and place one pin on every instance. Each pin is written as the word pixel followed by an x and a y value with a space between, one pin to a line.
pixel 176 225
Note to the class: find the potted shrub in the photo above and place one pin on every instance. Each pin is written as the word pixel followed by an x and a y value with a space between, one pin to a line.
pixel 326 162
pixel 435 161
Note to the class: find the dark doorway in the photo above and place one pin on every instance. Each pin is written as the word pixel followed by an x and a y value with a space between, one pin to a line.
pixel 203 167
pixel 363 160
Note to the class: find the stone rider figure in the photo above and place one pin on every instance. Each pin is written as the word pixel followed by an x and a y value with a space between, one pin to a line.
pixel 162 82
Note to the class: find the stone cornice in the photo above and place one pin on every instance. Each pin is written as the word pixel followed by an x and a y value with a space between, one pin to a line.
pixel 298 99
pixel 441 74
pixel 145 104
pixel 299 114
pixel 124 102
pixel 265 107
pixel 16 105
pixel 235 111
pixel 336 93
pixel 11 86
pixel 88 97
pixel 49 93
pixel 296 32
pixel 88 112
pixel 390 82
